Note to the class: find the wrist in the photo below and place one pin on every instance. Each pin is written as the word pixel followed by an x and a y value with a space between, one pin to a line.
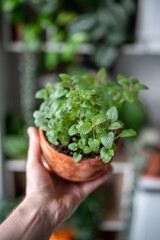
pixel 41 215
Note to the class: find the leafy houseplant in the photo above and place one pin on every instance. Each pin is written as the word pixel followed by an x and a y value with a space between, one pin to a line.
pixel 80 118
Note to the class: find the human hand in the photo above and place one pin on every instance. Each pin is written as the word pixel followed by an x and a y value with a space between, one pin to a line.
pixel 57 197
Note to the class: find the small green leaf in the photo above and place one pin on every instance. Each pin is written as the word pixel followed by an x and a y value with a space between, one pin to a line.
pixel 100 118
pixel 89 78
pixel 140 86
pixel 41 94
pixel 133 80
pixel 52 136
pixel 107 139
pixel 128 133
pixel 65 77
pixel 94 144
pixel 71 94
pixel 72 146
pixel 112 114
pixel 124 82
pixel 77 157
pixel 121 77
pixel 102 73
pixel 60 92
pixel 115 125
pixel 87 150
pixel 52 124
pixel 43 123
pixel 73 130
pixel 106 154
pixel 81 143
pixel 130 96
pixel 85 128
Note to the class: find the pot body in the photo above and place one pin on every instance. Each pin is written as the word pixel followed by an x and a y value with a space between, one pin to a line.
pixel 65 167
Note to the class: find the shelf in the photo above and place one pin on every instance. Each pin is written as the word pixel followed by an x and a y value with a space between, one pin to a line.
pixel 141 49
pixel 18 47
pixel 15 165
pixel 115 226
pixel 19 165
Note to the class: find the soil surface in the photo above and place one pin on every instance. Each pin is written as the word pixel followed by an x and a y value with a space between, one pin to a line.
pixel 65 150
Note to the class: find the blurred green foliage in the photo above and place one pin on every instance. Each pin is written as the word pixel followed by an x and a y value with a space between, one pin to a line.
pixel 15 141
pixel 133 115
pixel 6 206
pixel 86 219
pixel 103 23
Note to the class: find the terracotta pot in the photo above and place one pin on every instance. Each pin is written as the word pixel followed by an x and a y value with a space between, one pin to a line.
pixel 65 167
pixel 153 166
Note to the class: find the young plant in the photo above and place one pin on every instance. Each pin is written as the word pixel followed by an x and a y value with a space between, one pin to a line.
pixel 80 112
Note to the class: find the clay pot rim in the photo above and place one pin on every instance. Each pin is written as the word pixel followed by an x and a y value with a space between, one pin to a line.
pixel 71 158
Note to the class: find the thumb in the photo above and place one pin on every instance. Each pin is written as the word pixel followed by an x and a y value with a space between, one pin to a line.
pixel 34 152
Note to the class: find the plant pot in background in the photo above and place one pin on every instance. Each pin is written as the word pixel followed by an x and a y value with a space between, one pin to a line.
pixel 65 167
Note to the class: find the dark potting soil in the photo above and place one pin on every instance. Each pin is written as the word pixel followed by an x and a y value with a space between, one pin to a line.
pixel 65 150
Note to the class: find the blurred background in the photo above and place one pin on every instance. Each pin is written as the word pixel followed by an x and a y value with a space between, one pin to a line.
pixel 40 39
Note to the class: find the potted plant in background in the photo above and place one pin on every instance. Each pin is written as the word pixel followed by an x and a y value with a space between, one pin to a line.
pixel 78 122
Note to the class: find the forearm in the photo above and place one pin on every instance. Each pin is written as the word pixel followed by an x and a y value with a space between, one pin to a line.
pixel 27 221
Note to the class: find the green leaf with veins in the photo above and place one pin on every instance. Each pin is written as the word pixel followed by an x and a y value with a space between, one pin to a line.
pixel 128 133
pixel 85 128
pixel 112 114
pixel 87 150
pixel 77 157
pixel 107 139
pixel 94 144
pixel 72 146
pixel 73 130
pixel 115 125
pixel 98 119
pixel 106 154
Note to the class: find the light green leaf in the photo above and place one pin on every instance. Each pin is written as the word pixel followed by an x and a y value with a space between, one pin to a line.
pixel 77 157
pixel 65 77
pixel 71 94
pixel 72 146
pixel 41 94
pixel 140 86
pixel 121 77
pixel 102 74
pixel 89 78
pixel 124 82
pixel 52 136
pixel 60 92
pixel 52 124
pixel 73 130
pixel 112 114
pixel 107 139
pixel 100 118
pixel 94 144
pixel 81 143
pixel 87 150
pixel 115 125
pixel 130 96
pixel 106 154
pixel 85 128
pixel 128 133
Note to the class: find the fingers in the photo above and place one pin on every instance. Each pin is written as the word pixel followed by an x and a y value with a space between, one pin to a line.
pixel 90 186
pixel 34 152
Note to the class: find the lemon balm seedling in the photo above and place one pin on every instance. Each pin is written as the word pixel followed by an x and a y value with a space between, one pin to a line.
pixel 80 113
